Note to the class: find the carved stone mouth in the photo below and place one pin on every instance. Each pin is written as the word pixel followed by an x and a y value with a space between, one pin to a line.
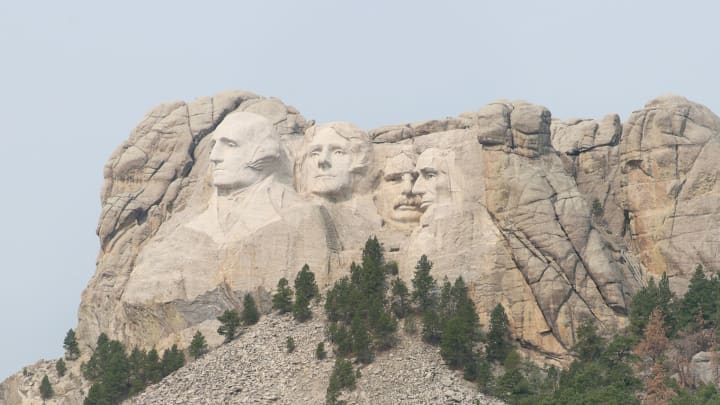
pixel 406 207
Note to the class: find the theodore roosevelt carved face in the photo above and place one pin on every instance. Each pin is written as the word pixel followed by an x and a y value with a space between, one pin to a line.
pixel 395 200
pixel 334 154
pixel 245 150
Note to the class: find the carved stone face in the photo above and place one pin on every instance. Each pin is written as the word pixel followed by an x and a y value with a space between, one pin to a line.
pixel 329 163
pixel 394 197
pixel 433 182
pixel 244 149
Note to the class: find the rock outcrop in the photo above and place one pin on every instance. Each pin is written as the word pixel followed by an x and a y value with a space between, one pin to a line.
pixel 557 220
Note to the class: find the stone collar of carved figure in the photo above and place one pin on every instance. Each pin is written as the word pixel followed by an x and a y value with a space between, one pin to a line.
pixel 334 154
pixel 245 150
pixel 433 181
pixel 394 198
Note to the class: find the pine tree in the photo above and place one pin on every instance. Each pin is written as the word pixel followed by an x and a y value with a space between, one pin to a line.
pixel 138 376
pixel 109 370
pixel 46 389
pixel 290 344
pixel 250 314
pixel 372 277
pixel 342 376
pixel 305 285
pixel 153 367
pixel 360 340
pixel 460 328
pixel 60 367
pixel 282 300
pixel 432 328
pixel 230 321
pixel 400 298
pixel 498 337
pixel 589 345
pixel 701 297
pixel 423 284
pixel 172 360
pixel 305 290
pixel 198 345
pixel 320 353
pixel 70 344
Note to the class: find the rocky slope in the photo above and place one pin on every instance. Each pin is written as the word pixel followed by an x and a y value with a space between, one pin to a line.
pixel 256 368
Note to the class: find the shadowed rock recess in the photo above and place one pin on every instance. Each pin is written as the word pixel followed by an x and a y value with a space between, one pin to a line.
pixel 557 220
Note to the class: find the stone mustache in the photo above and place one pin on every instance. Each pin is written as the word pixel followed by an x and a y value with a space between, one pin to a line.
pixel 225 195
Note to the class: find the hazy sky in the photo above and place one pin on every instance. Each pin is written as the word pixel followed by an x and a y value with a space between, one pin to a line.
pixel 75 77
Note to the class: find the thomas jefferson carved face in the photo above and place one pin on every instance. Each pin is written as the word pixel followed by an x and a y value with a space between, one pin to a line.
pixel 330 160
pixel 245 148
pixel 334 154
pixel 433 182
pixel 394 197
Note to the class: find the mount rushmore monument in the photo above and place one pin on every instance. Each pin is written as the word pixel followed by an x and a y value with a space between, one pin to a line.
pixel 557 220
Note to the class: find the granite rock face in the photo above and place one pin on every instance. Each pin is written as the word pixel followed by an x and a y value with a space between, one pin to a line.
pixel 557 220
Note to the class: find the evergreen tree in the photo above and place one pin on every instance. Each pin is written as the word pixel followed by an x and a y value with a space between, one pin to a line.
pixel 432 328
pixel 341 336
pixel 360 340
pixel 198 345
pixel 342 376
pixel 138 377
pixel 153 367
pixel 423 284
pixel 250 314
pixel 230 321
pixel 290 344
pixel 172 360
pixel 282 299
pixel 589 345
pixel 498 337
pixel 305 285
pixel 60 367
pixel 646 300
pixel 701 298
pixel 342 300
pixel 46 389
pixel 320 353
pixel 70 344
pixel 400 302
pixel 461 327
pixel 109 369
pixel 305 290
pixel 372 277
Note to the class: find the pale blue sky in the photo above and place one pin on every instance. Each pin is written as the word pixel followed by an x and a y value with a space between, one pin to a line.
pixel 75 77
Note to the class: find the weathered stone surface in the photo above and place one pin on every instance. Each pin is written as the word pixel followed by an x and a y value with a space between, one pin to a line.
pixel 558 220
pixel 704 368
pixel 668 155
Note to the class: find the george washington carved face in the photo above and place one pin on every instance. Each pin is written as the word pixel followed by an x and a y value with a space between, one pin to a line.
pixel 245 149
